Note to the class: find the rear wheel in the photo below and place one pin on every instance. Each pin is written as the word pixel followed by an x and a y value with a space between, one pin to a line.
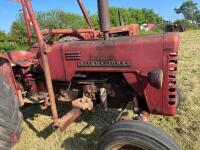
pixel 136 135
pixel 10 116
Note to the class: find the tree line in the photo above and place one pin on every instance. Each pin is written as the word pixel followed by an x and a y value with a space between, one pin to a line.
pixel 54 19
pixel 190 11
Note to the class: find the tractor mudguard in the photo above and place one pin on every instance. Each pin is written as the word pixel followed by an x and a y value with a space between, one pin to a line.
pixel 6 71
pixel 11 117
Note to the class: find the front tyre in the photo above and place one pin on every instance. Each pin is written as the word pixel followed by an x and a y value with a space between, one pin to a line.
pixel 135 135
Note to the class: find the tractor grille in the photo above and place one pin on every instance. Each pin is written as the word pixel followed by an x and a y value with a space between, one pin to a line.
pixel 73 55
pixel 173 57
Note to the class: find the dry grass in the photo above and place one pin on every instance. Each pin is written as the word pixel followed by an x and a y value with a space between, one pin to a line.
pixel 38 133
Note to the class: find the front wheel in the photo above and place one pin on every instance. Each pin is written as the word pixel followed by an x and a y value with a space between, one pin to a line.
pixel 135 135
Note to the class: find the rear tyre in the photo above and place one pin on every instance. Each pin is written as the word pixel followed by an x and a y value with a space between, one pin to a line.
pixel 10 116
pixel 135 135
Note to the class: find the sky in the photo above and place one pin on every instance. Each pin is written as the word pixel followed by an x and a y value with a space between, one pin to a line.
pixel 9 10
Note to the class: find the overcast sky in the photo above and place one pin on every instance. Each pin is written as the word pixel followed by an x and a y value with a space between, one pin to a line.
pixel 9 11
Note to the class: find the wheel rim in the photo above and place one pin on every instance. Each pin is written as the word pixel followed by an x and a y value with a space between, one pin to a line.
pixel 126 147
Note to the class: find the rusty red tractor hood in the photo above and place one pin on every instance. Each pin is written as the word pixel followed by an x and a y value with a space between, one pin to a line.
pixel 135 57
pixel 122 55
pixel 86 67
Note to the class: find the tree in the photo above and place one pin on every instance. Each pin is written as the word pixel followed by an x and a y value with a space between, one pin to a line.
pixel 6 43
pixel 185 23
pixel 197 15
pixel 55 19
pixel 59 19
pixel 18 33
pixel 189 9
pixel 132 15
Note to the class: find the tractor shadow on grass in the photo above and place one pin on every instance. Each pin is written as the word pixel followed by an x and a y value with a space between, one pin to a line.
pixel 87 138
pixel 98 118
pixel 83 140
pixel 30 113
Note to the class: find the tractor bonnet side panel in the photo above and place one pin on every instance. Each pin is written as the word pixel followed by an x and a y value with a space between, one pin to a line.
pixel 142 54
pixel 129 55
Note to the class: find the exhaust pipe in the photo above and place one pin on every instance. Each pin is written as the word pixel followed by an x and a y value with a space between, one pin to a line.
pixel 104 17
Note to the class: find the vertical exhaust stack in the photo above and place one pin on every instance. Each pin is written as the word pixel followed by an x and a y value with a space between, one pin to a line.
pixel 104 17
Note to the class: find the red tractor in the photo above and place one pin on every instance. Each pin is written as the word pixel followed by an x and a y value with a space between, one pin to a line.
pixel 84 68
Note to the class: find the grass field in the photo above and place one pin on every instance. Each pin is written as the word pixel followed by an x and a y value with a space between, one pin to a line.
pixel 38 133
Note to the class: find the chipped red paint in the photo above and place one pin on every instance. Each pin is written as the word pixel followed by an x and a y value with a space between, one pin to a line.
pixel 23 58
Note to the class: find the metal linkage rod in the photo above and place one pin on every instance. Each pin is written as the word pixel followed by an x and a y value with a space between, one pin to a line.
pixel 26 19
pixel 43 51
pixel 87 18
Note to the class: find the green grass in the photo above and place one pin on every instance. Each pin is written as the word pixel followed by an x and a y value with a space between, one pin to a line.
pixel 38 133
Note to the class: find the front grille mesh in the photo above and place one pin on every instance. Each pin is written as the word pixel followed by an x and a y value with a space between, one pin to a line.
pixel 172 78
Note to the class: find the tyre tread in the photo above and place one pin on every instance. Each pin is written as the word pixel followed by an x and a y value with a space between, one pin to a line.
pixel 11 117
pixel 139 128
